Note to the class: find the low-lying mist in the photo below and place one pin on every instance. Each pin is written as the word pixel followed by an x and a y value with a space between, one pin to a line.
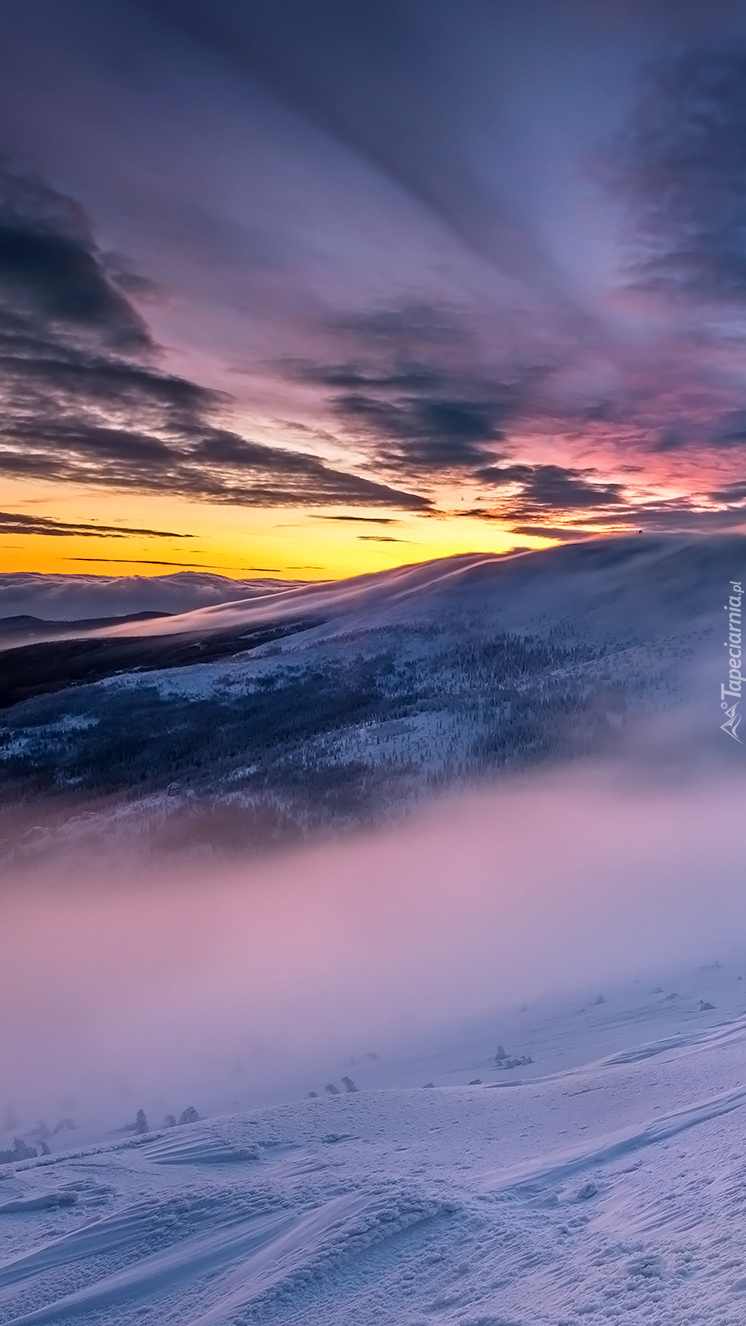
pixel 152 985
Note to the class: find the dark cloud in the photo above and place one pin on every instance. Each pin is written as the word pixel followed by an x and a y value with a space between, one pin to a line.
pixel 549 500
pixel 723 430
pixel 416 433
pixel 362 520
pixel 480 513
pixel 15 523
pixel 681 168
pixel 417 397
pixel 53 279
pixel 552 532
pixel 380 538
pixel 543 488
pixel 142 561
pixel 697 512
pixel 83 402
pixel 671 519
pixel 694 512
pixel 733 430
pixel 733 493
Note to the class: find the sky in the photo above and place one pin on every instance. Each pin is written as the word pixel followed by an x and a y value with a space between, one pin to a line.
pixel 310 288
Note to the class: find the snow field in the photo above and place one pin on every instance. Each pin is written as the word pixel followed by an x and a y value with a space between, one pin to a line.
pixel 611 1190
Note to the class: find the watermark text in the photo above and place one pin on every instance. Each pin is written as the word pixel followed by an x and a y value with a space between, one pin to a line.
pixel 730 691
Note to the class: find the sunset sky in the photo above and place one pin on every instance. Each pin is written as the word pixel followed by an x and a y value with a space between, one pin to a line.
pixel 316 287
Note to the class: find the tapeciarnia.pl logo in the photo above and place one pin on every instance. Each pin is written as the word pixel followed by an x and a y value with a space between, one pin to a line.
pixel 733 644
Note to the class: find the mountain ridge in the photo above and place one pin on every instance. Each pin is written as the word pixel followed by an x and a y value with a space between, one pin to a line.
pixel 265 719
pixel 672 567
pixel 59 596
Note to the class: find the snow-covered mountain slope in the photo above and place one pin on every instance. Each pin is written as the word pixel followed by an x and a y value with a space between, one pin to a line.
pixel 334 704
pixel 25 629
pixel 69 597
pixel 603 1184
pixel 631 587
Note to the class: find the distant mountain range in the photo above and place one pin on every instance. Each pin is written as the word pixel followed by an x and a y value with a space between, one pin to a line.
pixel 74 597
pixel 24 628
pixel 296 708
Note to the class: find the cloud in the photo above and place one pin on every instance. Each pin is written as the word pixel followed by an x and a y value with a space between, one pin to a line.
pixel 14 523
pixel 552 532
pixel 53 279
pixel 362 520
pixel 732 493
pixel 681 170
pixel 416 368
pixel 542 488
pixel 84 402
pixel 550 500
pixel 415 393
pixel 387 83
pixel 689 513
pixel 416 433
pixel 380 538
pixel 143 561
pixel 433 393
pixel 732 432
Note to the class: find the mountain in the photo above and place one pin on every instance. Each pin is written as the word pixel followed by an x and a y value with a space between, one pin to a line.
pixel 23 628
pixel 70 597
pixel 620 588
pixel 299 708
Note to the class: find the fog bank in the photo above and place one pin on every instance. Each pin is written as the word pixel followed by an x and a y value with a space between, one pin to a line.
pixel 124 988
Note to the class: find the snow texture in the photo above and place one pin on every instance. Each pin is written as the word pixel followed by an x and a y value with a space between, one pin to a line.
pixel 607 1185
